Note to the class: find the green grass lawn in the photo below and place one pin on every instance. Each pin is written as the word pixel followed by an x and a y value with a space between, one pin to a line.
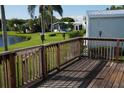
pixel 35 40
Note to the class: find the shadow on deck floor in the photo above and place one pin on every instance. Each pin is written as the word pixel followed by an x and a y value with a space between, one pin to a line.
pixel 89 73
pixel 79 74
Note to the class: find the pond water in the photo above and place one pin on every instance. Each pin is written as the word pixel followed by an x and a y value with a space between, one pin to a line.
pixel 12 40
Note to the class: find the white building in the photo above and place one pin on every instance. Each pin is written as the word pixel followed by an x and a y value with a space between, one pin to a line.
pixel 80 23
pixel 107 23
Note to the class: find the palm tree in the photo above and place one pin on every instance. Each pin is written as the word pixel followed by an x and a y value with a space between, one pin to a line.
pixel 3 23
pixel 56 8
pixel 45 10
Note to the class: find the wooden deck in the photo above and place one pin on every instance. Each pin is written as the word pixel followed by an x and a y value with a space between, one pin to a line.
pixel 72 76
pixel 111 76
pixel 87 73
pixel 50 65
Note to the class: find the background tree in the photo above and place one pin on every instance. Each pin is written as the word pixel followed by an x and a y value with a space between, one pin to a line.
pixel 14 21
pixel 115 7
pixel 69 25
pixel 56 8
pixel 67 19
pixel 45 11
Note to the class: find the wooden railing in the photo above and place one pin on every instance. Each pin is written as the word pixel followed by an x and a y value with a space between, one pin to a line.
pixel 26 67
pixel 103 48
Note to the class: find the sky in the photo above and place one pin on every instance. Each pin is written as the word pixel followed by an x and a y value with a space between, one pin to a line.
pixel 21 12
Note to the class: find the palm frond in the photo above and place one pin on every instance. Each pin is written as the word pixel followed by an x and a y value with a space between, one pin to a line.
pixel 58 8
pixel 31 10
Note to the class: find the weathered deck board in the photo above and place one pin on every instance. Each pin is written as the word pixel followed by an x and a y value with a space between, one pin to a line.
pixel 100 76
pixel 111 76
pixel 121 85
pixel 71 76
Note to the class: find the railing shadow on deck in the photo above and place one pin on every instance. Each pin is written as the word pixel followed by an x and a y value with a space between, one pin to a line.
pixel 28 66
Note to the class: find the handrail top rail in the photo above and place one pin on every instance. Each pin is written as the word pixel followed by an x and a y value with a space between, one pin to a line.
pixel 38 46
pixel 61 42
pixel 103 39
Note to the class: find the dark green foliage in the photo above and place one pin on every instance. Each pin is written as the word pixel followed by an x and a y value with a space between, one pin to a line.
pixel 28 37
pixel 67 19
pixel 73 34
pixel 115 7
pixel 18 22
pixel 69 25
pixel 53 34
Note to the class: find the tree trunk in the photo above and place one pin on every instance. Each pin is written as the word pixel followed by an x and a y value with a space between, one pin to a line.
pixel 42 26
pixel 51 27
pixel 3 22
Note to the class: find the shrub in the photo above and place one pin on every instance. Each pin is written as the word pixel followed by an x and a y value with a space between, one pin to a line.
pixel 28 37
pixel 73 34
pixel 53 34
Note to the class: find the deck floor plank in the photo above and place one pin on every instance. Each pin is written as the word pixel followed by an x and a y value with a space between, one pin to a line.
pixel 103 82
pixel 110 76
pixel 67 71
pixel 119 76
pixel 101 75
pixel 113 77
pixel 121 85
pixel 64 79
pixel 85 69
pixel 77 83
pixel 71 76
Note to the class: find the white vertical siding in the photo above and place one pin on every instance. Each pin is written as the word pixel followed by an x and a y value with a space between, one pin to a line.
pixel 111 27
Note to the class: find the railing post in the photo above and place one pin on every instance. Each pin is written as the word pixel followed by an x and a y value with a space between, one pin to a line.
pixel 117 50
pixel 58 57
pixel 81 46
pixel 44 61
pixel 12 70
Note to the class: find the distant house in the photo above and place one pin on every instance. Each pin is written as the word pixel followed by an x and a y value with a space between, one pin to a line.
pixel 60 27
pixel 106 23
pixel 79 24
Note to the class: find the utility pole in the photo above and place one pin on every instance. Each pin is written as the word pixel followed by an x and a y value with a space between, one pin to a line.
pixel 3 23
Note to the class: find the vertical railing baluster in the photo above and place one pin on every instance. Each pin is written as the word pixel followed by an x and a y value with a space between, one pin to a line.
pixel 51 56
pixel 36 63
pixel 88 48
pixel 26 67
pixel 120 52
pixel 58 57
pixel 40 66
pixel 29 66
pixel 17 71
pixel 48 58
pixel 111 51
pixel 117 50
pixel 44 62
pixel 32 65
pixel 12 70
pixel 4 71
pixel 21 62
